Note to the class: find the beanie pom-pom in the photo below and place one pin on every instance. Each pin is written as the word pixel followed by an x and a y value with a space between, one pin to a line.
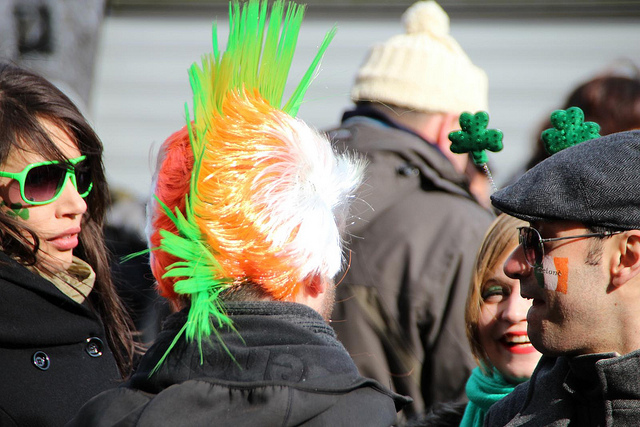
pixel 426 17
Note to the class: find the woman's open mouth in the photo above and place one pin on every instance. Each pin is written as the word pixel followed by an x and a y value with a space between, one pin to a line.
pixel 517 343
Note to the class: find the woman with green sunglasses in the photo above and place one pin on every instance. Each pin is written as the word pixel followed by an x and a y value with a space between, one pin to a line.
pixel 42 183
pixel 64 334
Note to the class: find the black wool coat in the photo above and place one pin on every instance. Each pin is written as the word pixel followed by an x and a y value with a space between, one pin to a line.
pixel 288 369
pixel 54 354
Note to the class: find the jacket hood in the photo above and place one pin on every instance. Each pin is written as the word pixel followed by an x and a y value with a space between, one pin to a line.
pixel 410 163
pixel 277 343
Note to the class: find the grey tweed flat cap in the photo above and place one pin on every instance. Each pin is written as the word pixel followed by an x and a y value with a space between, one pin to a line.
pixel 596 182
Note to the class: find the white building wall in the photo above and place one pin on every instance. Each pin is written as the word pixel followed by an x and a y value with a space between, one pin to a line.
pixel 141 84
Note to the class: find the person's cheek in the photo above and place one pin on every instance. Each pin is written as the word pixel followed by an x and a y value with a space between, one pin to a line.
pixel 12 194
pixel 11 201
pixel 553 274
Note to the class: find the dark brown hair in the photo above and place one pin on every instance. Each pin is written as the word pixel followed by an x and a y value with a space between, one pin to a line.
pixel 26 102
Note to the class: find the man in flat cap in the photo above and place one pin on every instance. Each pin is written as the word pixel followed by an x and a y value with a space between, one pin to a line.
pixel 579 260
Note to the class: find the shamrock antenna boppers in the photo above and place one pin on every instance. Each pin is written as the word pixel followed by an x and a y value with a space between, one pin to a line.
pixel 475 138
pixel 569 128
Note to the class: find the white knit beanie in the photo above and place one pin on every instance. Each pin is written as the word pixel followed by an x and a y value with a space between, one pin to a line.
pixel 424 69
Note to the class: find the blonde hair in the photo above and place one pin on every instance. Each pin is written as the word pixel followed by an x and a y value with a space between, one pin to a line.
pixel 501 236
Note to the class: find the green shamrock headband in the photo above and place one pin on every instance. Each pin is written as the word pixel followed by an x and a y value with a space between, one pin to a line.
pixel 475 138
pixel 569 128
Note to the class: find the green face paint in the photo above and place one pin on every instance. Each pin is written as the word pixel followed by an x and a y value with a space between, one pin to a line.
pixel 16 210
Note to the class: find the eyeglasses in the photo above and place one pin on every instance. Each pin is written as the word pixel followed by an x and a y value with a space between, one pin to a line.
pixel 533 244
pixel 42 183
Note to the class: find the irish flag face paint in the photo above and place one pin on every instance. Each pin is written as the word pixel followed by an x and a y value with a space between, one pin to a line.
pixel 553 274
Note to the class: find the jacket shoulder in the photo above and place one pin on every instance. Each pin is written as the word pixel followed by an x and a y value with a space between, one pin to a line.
pixel 119 406
pixel 506 409
pixel 406 175
pixel 203 400
pixel 534 402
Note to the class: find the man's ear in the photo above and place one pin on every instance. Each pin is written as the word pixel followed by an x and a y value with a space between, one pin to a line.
pixel 314 286
pixel 448 124
pixel 626 264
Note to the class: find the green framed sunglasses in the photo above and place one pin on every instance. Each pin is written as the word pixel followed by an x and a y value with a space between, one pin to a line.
pixel 43 182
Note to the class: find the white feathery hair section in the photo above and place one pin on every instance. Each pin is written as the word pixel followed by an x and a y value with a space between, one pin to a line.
pixel 309 198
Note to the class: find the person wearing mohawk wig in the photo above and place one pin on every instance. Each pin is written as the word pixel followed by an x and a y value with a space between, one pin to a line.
pixel 249 255
pixel 400 308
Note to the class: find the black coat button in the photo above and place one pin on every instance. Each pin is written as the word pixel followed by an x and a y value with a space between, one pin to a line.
pixel 94 347
pixel 41 360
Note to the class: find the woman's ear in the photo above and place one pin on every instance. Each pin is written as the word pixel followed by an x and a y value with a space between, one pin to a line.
pixel 626 264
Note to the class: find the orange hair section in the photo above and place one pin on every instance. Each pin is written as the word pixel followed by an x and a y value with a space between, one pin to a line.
pixel 243 153
pixel 172 182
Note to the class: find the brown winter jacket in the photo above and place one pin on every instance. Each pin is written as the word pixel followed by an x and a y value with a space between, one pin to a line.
pixel 415 233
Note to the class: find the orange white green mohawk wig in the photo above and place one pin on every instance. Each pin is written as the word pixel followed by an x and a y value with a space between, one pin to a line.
pixel 266 196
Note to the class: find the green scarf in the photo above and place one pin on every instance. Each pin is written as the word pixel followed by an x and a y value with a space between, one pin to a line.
pixel 483 391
